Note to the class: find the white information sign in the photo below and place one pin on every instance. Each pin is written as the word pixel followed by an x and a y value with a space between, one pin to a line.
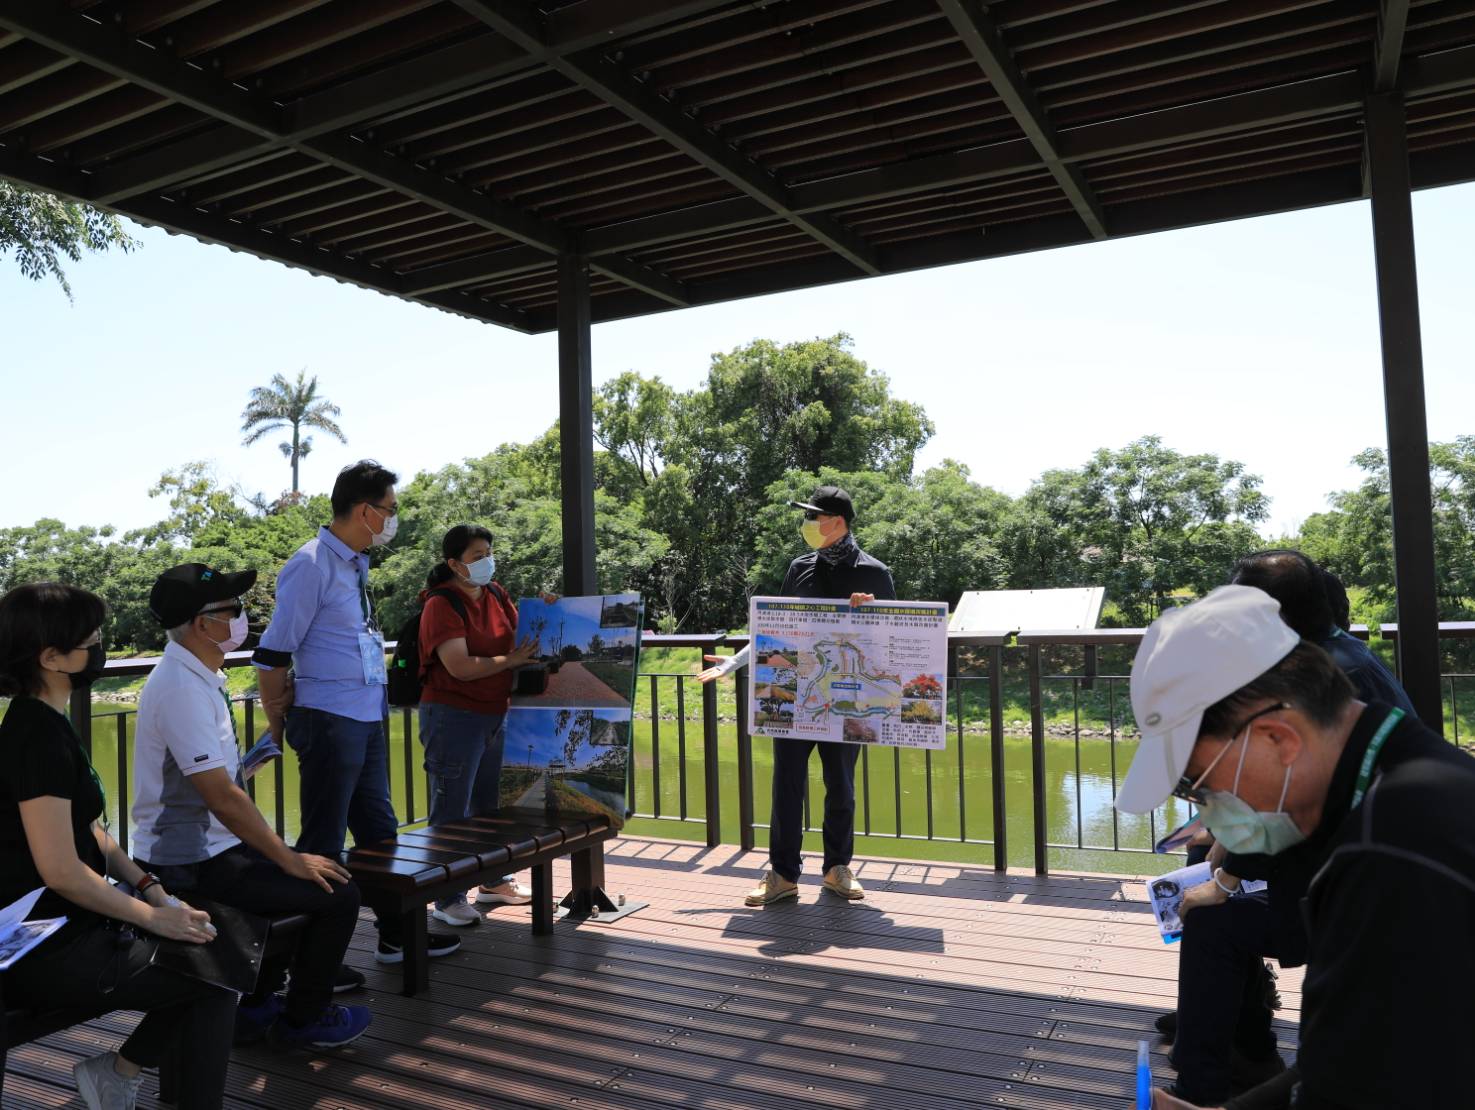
pixel 874 674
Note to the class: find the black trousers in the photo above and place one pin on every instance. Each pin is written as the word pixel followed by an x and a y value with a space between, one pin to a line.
pixel 1221 995
pixel 92 975
pixel 242 877
pixel 786 827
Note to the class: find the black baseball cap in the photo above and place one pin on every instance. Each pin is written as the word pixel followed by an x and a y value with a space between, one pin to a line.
pixel 830 500
pixel 181 592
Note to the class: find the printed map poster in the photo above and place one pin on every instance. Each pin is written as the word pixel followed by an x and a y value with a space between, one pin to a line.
pixel 566 751
pixel 873 674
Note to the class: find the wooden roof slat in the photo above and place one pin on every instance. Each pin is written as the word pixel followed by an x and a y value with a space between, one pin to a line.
pixel 222 24
pixel 24 62
pixel 615 87
pixel 121 106
pixel 56 93
pixel 311 32
pixel 986 44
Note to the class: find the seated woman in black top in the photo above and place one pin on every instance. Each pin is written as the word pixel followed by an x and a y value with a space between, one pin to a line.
pixel 50 800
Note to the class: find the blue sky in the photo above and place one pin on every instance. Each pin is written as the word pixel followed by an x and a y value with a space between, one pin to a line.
pixel 537 727
pixel 579 617
pixel 1256 340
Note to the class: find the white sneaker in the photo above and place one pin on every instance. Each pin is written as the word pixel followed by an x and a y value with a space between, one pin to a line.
pixel 508 893
pixel 100 1085
pixel 457 913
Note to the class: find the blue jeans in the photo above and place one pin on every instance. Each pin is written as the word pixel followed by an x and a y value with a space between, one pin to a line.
pixel 344 787
pixel 786 826
pixel 463 760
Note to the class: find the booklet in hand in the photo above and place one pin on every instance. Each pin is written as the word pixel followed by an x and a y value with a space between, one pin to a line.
pixel 1166 894
pixel 17 935
pixel 264 750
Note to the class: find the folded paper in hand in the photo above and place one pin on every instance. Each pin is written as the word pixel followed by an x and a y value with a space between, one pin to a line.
pixel 265 749
pixel 17 935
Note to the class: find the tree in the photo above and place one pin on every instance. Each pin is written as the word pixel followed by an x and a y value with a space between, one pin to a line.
pixel 295 405
pixel 1144 521
pixel 42 230
pixel 1355 539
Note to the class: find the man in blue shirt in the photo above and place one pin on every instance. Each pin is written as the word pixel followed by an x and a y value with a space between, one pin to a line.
pixel 332 712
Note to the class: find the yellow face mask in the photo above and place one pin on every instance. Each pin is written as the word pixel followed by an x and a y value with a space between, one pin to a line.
pixel 812 534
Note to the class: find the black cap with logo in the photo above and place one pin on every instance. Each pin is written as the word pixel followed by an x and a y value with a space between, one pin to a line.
pixel 829 500
pixel 181 592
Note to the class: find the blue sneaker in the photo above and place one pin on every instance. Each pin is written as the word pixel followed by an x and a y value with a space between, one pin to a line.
pixel 254 1022
pixel 334 1027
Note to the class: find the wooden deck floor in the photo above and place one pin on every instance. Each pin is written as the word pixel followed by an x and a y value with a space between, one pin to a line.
pixel 948 987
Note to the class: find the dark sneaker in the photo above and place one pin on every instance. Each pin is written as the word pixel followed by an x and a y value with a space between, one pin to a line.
pixel 335 1026
pixel 347 979
pixel 439 944
pixel 254 1022
pixel 1167 1025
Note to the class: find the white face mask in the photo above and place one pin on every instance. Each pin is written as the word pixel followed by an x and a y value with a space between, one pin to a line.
pixel 480 573
pixel 1241 828
pixel 240 628
pixel 387 530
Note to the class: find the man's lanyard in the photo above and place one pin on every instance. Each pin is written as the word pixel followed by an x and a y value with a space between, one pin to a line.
pixel 363 576
pixel 1370 757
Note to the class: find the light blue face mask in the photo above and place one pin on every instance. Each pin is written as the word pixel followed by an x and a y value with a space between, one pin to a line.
pixel 481 572
pixel 1244 830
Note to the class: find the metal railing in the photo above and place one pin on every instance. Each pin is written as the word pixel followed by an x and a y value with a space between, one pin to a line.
pixel 1032 710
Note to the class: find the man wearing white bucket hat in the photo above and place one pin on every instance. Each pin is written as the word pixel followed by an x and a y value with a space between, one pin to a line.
pixel 1263 733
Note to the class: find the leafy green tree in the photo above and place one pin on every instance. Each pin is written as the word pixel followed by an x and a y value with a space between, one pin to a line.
pixel 42 230
pixel 196 500
pixel 1355 538
pixel 1145 521
pixel 295 405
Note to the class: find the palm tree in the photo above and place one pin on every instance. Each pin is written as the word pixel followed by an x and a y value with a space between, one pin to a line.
pixel 284 404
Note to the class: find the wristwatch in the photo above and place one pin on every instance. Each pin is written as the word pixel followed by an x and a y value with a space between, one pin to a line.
pixel 149 879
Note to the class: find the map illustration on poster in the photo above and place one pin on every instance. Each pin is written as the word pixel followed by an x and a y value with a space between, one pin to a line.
pixel 873 674
pixel 566 750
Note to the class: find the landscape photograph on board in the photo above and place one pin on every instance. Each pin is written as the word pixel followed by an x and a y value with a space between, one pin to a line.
pixel 566 762
pixel 588 647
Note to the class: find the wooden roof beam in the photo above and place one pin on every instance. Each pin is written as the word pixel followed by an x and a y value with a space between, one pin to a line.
pixel 1388 46
pixel 601 77
pixel 983 40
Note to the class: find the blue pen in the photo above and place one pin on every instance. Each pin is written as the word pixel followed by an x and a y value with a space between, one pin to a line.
pixel 1144 1078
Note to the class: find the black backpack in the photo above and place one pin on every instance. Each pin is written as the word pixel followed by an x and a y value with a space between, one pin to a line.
pixel 404 667
pixel 405 684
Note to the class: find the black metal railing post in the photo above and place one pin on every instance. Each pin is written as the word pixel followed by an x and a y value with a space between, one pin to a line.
pixel 1037 761
pixel 996 756
pixel 712 769
pixel 746 839
pixel 82 718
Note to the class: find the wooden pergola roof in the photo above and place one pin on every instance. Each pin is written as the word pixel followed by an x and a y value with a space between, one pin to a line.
pixel 448 151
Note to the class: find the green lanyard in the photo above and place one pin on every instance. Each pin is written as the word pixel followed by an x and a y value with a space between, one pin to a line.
pixel 1370 758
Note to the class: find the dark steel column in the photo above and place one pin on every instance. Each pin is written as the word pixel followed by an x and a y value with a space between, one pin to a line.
pixel 576 424
pixel 1403 399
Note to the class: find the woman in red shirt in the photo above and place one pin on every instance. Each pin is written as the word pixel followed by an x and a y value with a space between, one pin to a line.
pixel 467 669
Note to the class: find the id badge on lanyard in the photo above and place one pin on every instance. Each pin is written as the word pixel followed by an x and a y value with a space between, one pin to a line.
pixel 371 641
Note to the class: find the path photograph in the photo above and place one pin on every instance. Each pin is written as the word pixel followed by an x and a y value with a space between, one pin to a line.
pixel 588 646
pixel 567 762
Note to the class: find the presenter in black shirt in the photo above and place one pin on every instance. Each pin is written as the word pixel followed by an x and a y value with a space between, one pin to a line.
pixel 835 568
pixel 50 804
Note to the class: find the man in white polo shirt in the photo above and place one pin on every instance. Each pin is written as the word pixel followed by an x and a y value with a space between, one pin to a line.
pixel 200 833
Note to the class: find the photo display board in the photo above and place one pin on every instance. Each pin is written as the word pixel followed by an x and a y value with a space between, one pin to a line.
pixel 871 674
pixel 566 751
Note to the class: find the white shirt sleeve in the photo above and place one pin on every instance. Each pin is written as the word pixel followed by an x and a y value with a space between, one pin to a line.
pixel 190 730
pixel 733 662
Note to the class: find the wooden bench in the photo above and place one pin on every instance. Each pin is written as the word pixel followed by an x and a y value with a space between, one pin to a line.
pixel 441 860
